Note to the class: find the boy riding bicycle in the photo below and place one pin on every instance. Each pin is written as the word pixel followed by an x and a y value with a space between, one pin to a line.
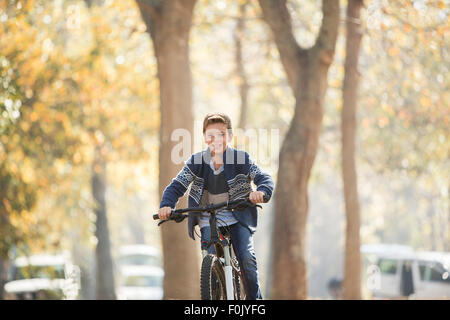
pixel 218 174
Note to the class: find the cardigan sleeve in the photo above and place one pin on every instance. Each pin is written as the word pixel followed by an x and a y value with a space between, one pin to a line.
pixel 177 188
pixel 262 180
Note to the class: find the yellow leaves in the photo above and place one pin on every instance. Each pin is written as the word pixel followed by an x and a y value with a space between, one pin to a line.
pixel 39 107
pixel 59 166
pixel 23 220
pixel 393 51
pixel 77 158
pixel 366 122
pixel 407 27
pixel 388 109
pixel 27 171
pixel 84 137
pixel 25 126
pixel 116 144
pixel 126 139
pixel 7 204
pixel 62 117
pixel 425 102
pixel 43 182
pixel 383 121
pixel 34 116
pixel 99 138
pixel 440 30
pixel 133 117
pixel 402 114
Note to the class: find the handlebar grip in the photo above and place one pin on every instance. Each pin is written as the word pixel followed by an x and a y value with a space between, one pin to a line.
pixel 265 198
pixel 155 217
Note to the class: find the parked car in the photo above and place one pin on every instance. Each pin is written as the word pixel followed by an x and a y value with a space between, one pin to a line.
pixel 140 283
pixel 139 254
pixel 43 276
pixel 399 271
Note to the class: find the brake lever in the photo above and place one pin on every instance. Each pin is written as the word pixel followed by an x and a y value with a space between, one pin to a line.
pixel 162 221
pixel 177 217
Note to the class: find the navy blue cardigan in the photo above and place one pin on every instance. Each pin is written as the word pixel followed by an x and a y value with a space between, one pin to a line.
pixel 239 170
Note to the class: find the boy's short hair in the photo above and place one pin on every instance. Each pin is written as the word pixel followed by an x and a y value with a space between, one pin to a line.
pixel 217 118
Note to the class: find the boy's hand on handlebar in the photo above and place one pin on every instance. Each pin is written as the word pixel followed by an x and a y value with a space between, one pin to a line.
pixel 256 197
pixel 164 213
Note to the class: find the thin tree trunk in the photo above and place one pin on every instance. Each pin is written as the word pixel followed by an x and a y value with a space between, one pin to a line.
pixel 240 68
pixel 169 23
pixel 105 283
pixel 105 273
pixel 447 225
pixel 352 267
pixel 4 263
pixel 306 71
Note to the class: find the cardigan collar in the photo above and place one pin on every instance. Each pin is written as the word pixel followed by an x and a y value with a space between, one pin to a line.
pixel 227 158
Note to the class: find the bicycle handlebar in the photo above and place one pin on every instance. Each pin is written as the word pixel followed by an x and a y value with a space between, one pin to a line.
pixel 212 207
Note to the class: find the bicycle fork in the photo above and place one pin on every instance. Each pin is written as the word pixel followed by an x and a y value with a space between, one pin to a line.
pixel 226 260
pixel 228 273
pixel 228 270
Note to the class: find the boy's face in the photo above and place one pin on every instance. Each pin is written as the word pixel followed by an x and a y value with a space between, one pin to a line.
pixel 217 137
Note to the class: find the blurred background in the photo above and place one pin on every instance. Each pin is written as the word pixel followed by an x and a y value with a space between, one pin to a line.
pixel 91 92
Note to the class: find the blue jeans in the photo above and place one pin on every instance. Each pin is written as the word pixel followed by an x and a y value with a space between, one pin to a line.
pixel 242 242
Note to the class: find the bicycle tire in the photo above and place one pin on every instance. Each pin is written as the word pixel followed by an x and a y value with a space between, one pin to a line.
pixel 212 279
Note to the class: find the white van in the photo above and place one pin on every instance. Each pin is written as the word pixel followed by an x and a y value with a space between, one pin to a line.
pixel 43 276
pixel 398 271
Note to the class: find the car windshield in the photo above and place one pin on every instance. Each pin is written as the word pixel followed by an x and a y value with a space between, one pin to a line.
pixel 40 272
pixel 142 281
pixel 139 259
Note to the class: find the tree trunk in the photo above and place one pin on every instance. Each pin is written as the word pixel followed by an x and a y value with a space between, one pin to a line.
pixel 352 267
pixel 306 71
pixel 4 264
pixel 447 225
pixel 104 264
pixel 240 69
pixel 105 274
pixel 169 23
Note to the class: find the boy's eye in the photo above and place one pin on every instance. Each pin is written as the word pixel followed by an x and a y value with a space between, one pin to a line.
pixel 212 136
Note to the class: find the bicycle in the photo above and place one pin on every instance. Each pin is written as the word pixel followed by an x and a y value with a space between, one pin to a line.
pixel 221 277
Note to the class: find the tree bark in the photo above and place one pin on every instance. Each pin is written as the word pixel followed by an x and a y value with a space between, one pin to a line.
pixel 105 273
pixel 105 283
pixel 447 225
pixel 4 264
pixel 169 23
pixel 240 66
pixel 352 267
pixel 306 71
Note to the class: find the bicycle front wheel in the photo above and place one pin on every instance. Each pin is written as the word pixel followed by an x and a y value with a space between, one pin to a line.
pixel 212 279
